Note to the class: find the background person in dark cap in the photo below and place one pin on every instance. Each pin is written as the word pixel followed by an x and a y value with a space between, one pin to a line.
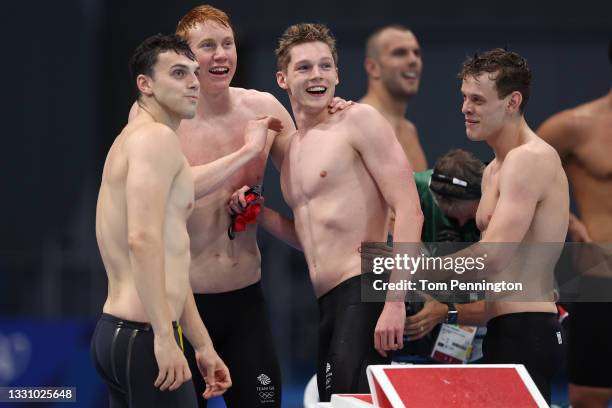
pixel 449 195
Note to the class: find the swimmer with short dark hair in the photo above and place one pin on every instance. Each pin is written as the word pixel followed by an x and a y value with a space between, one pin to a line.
pixel 525 199
pixel 145 198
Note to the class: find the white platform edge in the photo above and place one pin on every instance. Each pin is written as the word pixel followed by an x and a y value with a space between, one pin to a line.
pixel 376 371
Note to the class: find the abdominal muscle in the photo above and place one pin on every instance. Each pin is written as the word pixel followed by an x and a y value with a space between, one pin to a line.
pixel 331 242
pixel 123 300
pixel 537 294
pixel 328 272
pixel 219 264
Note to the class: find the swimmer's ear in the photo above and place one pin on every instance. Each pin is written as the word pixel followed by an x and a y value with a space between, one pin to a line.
pixel 281 80
pixel 514 103
pixel 371 68
pixel 144 84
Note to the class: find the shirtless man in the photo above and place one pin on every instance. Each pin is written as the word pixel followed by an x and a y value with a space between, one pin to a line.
pixel 583 139
pixel 524 199
pixel 393 64
pixel 145 198
pixel 341 175
pixel 225 274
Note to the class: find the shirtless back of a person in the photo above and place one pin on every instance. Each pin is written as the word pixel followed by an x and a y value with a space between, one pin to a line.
pixel 583 138
pixel 335 201
pixel 219 264
pixel 112 222
pixel 547 226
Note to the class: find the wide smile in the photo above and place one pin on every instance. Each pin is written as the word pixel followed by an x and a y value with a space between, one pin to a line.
pixel 411 75
pixel 317 90
pixel 219 71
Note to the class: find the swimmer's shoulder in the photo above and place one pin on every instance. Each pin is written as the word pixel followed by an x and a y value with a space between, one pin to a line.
pixel 562 122
pixel 254 99
pixel 150 138
pixel 568 129
pixel 535 156
pixel 577 119
pixel 139 139
pixel 260 103
pixel 410 127
pixel 364 124
pixel 535 148
pixel 138 127
pixel 592 108
pixel 361 114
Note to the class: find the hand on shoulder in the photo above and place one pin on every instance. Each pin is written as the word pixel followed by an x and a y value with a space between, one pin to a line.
pixel 364 117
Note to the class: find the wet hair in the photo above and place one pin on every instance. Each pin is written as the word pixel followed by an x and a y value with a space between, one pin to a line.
pixel 299 34
pixel 456 176
pixel 146 54
pixel 510 69
pixel 201 14
pixel 372 48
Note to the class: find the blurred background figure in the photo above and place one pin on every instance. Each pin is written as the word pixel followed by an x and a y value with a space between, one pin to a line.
pixel 393 64
pixel 583 139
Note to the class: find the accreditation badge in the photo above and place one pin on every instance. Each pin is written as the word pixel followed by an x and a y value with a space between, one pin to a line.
pixel 454 344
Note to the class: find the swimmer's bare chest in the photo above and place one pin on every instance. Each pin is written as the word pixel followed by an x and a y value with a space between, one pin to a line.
pixel 181 198
pixel 589 170
pixel 488 201
pixel 204 141
pixel 218 264
pixel 318 166
pixel 593 155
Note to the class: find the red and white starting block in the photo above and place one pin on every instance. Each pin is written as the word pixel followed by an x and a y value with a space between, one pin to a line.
pixel 352 401
pixel 457 386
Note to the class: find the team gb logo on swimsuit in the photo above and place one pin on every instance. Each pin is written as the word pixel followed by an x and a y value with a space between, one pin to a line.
pixel 264 379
